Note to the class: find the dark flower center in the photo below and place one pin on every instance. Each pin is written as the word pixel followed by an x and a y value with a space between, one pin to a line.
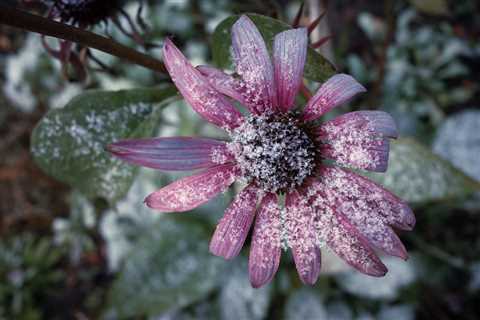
pixel 85 12
pixel 273 151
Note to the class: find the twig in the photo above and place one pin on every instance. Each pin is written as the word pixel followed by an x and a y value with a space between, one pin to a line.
pixel 35 23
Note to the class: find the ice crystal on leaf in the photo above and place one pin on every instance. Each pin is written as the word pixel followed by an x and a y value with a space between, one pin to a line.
pixel 279 151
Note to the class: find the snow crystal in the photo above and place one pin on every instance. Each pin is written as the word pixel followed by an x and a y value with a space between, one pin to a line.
pixel 273 151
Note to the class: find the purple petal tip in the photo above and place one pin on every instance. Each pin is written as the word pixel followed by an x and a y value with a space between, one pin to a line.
pixel 377 270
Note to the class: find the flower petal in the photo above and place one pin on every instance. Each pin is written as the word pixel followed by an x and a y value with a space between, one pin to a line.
pixel 224 83
pixel 254 65
pixel 172 153
pixel 197 91
pixel 358 139
pixel 334 229
pixel 335 91
pixel 369 223
pixel 302 237
pixel 193 191
pixel 374 228
pixel 376 123
pixel 233 228
pixel 308 263
pixel 372 197
pixel 289 55
pixel 345 240
pixel 265 250
pixel 351 151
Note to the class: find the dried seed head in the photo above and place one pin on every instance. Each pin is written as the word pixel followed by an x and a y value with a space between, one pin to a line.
pixel 273 151
pixel 84 12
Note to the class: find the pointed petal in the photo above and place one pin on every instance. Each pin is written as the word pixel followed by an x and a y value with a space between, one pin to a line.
pixel 358 139
pixel 254 65
pixel 197 91
pixel 302 237
pixel 224 83
pixel 233 228
pixel 308 263
pixel 357 152
pixel 265 251
pixel 345 240
pixel 372 197
pixel 357 211
pixel 377 124
pixel 373 227
pixel 172 153
pixel 190 192
pixel 334 229
pixel 335 91
pixel 289 55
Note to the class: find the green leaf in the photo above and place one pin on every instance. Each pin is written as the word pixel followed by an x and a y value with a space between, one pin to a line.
pixel 305 303
pixel 169 268
pixel 419 176
pixel 239 298
pixel 69 143
pixel 317 68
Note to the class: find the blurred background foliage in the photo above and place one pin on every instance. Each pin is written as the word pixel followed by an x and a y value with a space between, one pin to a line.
pixel 83 245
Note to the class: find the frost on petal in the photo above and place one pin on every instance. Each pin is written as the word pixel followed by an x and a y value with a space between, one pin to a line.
pixel 347 200
pixel 197 91
pixel 289 54
pixel 371 196
pixel 190 192
pixel 371 155
pixel 308 263
pixel 337 232
pixel 254 65
pixel 335 91
pixel 172 153
pixel 233 228
pixel 265 250
pixel 302 237
pixel 358 139
pixel 224 83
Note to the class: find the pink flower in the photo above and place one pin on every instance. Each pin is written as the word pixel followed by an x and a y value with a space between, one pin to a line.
pixel 276 150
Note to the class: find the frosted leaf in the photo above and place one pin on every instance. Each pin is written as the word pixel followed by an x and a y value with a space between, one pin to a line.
pixel 457 140
pixel 239 301
pixel 400 274
pixel 167 269
pixel 121 225
pixel 397 312
pixel 69 143
pixel 305 304
pixel 415 174
pixel 339 310
pixel 204 310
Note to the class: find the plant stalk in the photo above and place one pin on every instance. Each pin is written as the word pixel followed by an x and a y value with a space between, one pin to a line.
pixel 20 19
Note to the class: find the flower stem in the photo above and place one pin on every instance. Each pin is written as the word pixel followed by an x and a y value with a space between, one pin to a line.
pixel 35 23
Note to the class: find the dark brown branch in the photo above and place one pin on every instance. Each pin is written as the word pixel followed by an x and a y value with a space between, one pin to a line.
pixel 35 23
